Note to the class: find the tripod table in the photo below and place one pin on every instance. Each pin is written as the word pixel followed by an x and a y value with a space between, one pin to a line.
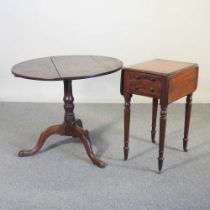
pixel 66 69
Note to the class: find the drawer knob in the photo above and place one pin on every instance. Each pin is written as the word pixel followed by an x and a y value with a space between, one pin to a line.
pixel 153 79
pixel 152 90
pixel 138 77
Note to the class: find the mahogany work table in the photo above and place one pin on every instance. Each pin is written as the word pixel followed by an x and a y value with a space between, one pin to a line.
pixel 162 80
pixel 66 69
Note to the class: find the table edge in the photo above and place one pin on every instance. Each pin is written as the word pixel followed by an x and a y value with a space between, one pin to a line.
pixel 70 78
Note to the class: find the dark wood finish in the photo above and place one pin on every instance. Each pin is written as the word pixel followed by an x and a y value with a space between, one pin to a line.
pixel 162 80
pixel 126 125
pixel 188 108
pixel 70 127
pixel 162 67
pixel 66 68
pixel 154 118
pixel 145 84
pixel 163 117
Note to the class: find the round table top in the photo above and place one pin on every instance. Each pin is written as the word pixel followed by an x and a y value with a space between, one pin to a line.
pixel 66 67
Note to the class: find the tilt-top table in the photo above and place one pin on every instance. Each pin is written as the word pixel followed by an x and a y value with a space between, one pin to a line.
pixel 66 68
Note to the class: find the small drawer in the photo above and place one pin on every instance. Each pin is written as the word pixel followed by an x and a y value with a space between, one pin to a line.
pixel 145 84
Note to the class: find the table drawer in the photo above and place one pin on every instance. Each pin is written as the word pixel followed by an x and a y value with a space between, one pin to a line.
pixel 145 84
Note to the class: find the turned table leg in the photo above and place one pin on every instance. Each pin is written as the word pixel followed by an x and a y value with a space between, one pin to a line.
pixel 70 127
pixel 188 109
pixel 154 118
pixel 126 126
pixel 163 117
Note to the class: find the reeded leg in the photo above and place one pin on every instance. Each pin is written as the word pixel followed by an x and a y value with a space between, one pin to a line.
pixel 188 108
pixel 55 129
pixel 154 118
pixel 83 135
pixel 126 126
pixel 163 116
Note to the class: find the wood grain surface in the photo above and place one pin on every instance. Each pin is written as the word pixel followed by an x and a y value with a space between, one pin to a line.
pixel 165 81
pixel 162 66
pixel 66 67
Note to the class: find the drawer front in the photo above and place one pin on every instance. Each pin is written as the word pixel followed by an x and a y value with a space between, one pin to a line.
pixel 145 84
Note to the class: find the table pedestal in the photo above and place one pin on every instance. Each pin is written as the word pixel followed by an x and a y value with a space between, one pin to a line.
pixel 70 127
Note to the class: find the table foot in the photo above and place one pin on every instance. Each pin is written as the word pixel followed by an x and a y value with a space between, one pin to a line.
pixel 153 136
pixel 83 135
pixel 99 163
pixel 185 140
pixel 160 164
pixel 55 129
pixel 25 153
pixel 126 149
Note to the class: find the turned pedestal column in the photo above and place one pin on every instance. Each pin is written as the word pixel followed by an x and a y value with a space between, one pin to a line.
pixel 70 127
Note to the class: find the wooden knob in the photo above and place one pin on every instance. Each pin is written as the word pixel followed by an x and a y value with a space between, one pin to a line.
pixel 152 89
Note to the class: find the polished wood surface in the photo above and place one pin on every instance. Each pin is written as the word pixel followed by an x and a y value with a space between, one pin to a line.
pixel 162 66
pixel 66 67
pixel 70 127
pixel 182 83
pixel 161 80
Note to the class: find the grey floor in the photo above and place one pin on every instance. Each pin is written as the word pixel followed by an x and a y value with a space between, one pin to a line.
pixel 62 177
